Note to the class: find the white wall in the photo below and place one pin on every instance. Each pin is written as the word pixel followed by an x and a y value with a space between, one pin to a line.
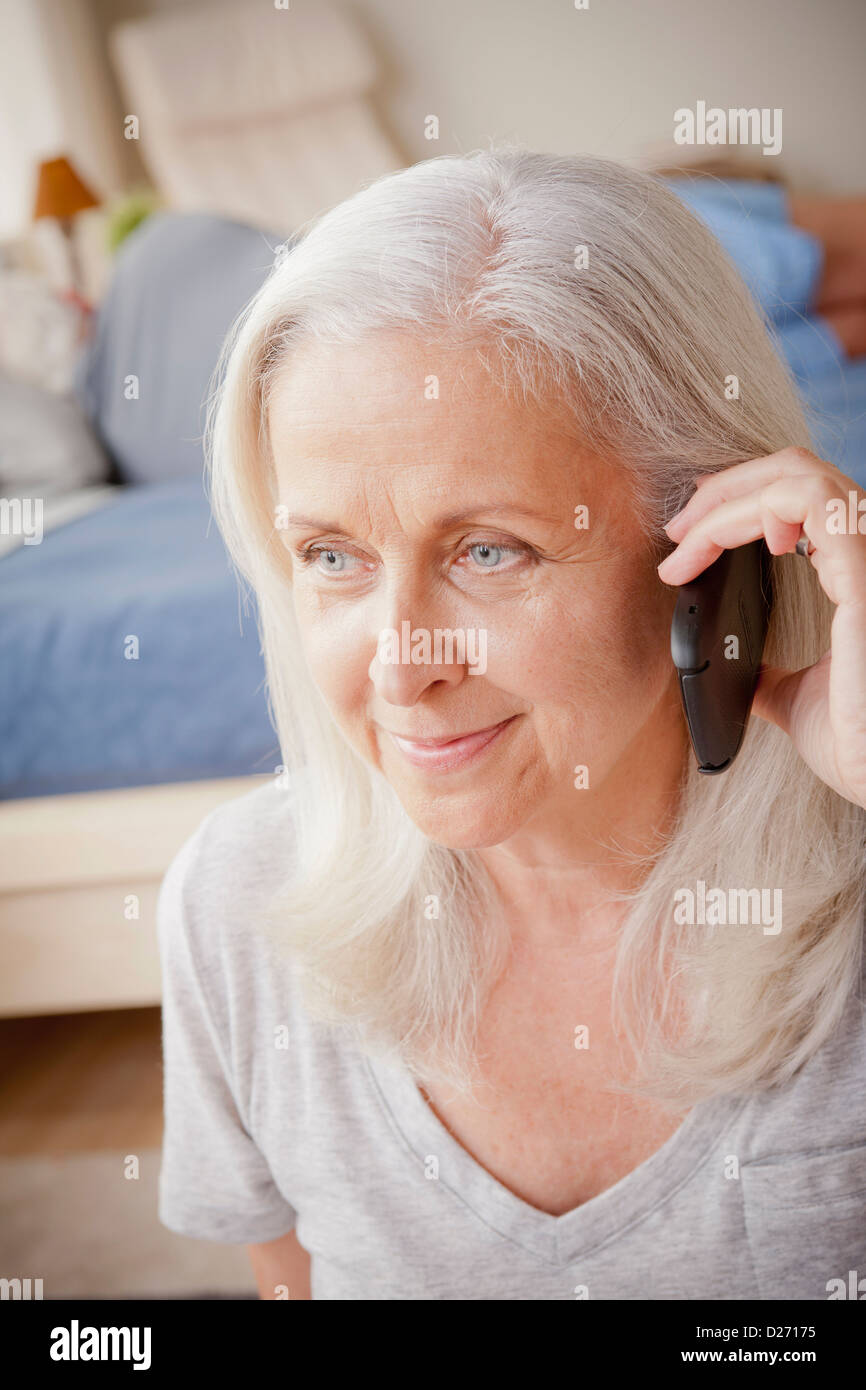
pixel 605 80
pixel 55 99
pixel 30 121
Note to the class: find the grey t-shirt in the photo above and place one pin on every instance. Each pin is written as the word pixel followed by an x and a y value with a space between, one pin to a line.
pixel 760 1196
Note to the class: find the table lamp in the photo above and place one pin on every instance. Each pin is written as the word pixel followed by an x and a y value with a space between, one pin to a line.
pixel 61 193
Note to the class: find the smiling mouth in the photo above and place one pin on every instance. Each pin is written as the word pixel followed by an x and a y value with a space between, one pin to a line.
pixel 444 755
pixel 444 742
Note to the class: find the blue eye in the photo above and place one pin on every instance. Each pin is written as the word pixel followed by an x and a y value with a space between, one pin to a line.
pixel 308 556
pixel 491 554
pixel 493 551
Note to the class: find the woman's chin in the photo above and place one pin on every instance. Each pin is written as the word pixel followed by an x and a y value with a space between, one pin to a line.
pixel 478 824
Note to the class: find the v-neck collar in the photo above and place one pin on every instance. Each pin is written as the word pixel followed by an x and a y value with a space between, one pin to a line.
pixel 557 1239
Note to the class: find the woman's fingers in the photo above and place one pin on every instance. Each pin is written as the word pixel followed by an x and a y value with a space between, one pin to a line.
pixel 821 707
pixel 777 510
pixel 740 478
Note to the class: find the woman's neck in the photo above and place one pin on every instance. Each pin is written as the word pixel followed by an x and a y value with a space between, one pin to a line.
pixel 558 877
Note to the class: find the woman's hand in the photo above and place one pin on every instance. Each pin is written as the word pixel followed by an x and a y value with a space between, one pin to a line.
pixel 822 708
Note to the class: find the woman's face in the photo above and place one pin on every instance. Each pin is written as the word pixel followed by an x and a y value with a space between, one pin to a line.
pixel 567 627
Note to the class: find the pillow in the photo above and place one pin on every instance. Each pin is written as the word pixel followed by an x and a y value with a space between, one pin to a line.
pixel 180 280
pixel 38 331
pixel 47 446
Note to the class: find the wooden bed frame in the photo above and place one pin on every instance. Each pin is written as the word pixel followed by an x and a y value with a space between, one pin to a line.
pixel 68 865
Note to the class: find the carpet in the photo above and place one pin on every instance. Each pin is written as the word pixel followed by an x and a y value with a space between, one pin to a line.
pixel 86 1231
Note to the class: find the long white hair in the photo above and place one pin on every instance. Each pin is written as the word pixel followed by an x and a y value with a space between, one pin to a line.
pixel 586 281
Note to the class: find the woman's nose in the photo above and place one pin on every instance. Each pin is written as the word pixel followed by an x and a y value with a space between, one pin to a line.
pixel 415 647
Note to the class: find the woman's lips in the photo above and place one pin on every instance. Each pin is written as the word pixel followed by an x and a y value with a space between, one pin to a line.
pixel 456 752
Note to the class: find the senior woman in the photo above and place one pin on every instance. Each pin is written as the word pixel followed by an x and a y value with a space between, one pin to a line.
pixel 434 1024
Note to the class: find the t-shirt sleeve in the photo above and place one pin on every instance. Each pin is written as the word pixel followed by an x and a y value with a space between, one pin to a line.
pixel 214 1182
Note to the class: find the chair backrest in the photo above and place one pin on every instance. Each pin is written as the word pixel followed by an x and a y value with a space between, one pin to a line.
pixel 253 112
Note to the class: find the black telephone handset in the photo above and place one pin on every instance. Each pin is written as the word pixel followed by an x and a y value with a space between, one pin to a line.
pixel 731 599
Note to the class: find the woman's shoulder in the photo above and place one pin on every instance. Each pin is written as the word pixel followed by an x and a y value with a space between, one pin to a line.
pixel 239 836
pixel 229 866
pixel 822 1105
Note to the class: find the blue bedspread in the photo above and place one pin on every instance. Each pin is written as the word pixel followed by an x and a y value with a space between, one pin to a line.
pixel 782 265
pixel 76 714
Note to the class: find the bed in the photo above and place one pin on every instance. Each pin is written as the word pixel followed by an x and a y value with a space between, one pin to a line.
pixel 132 695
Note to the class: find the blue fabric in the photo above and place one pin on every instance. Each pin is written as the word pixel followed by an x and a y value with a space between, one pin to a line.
pixel 782 266
pixel 779 262
pixel 77 715
pixel 179 282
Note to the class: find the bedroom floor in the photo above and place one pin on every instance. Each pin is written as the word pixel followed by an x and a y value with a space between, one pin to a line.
pixel 80 1104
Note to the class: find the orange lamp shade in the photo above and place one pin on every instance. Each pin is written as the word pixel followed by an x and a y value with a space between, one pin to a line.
pixel 60 192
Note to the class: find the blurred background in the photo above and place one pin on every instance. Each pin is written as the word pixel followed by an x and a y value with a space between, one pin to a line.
pixel 155 157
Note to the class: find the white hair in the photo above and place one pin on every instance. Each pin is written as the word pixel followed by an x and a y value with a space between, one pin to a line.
pixel 636 335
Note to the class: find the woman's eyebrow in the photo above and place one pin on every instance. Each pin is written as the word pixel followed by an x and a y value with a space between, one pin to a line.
pixel 442 523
